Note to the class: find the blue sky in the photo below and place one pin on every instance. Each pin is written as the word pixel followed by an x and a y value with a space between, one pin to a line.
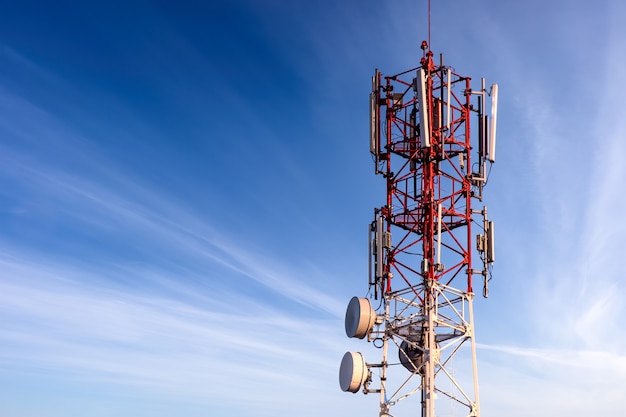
pixel 185 189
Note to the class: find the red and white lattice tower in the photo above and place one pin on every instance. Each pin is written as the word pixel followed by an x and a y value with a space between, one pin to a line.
pixel 433 143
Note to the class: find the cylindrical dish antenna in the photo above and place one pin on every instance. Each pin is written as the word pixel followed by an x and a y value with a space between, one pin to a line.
pixel 353 372
pixel 360 317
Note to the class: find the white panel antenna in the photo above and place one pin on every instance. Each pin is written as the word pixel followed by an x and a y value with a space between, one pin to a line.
pixel 370 254
pixel 491 152
pixel 422 99
pixel 449 77
pixel 491 243
pixel 439 234
pixel 373 125
pixel 374 122
pixel 379 247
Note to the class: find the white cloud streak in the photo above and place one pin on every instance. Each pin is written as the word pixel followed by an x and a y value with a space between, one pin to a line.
pixel 548 382
pixel 566 355
pixel 53 320
pixel 182 327
pixel 135 214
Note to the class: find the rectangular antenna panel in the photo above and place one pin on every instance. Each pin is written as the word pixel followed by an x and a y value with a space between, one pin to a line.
pixel 439 234
pixel 494 118
pixel 370 243
pixel 422 100
pixel 373 124
pixel 412 139
pixel 448 100
pixel 491 248
pixel 379 247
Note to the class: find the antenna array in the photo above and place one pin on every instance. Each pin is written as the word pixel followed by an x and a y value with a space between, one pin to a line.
pixel 427 243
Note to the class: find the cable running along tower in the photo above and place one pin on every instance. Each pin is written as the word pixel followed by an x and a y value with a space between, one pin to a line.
pixel 428 243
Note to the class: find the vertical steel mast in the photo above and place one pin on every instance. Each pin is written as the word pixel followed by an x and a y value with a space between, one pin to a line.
pixel 427 242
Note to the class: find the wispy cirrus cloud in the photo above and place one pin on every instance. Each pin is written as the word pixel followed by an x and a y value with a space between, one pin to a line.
pixel 55 321
pixel 563 345
pixel 582 280
pixel 162 301
pixel 117 207
pixel 551 381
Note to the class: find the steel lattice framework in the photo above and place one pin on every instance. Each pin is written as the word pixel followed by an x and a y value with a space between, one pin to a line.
pixel 427 243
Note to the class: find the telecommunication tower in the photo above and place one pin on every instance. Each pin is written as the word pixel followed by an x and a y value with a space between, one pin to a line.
pixel 427 242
